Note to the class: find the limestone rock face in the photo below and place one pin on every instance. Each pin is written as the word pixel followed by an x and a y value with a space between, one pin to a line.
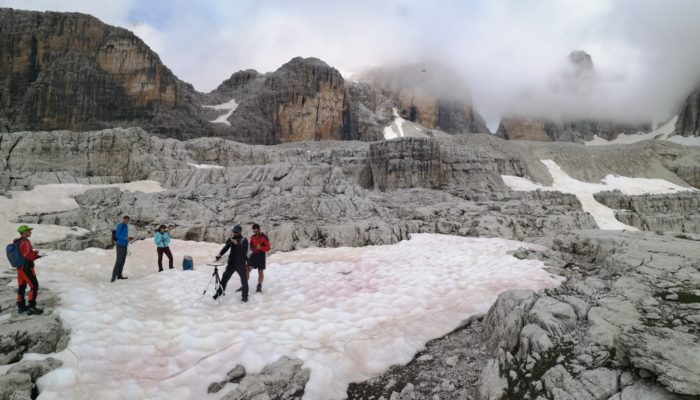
pixel 71 71
pixel 309 101
pixel 430 94
pixel 544 130
pixel 688 123
pixel 108 156
pixel 523 129
pixel 302 100
pixel 669 213
pixel 413 162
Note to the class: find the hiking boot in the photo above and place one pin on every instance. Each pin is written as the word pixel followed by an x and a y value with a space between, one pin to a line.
pixel 160 269
pixel 218 293
pixel 21 309
pixel 32 310
pixel 245 299
pixel 259 288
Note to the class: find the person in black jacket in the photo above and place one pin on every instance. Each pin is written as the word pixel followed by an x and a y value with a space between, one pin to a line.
pixel 237 261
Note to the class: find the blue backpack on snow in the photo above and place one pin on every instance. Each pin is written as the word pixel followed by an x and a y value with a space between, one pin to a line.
pixel 14 256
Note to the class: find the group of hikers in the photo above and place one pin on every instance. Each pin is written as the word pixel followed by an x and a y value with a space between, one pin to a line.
pixel 244 255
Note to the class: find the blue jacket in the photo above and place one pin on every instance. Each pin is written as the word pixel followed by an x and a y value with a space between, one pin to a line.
pixel 122 234
pixel 162 239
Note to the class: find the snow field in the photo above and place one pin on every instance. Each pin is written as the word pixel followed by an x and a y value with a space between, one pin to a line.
pixel 584 191
pixel 347 312
pixel 664 132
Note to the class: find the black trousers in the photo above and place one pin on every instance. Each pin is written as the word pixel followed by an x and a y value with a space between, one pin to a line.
pixel 242 273
pixel 166 251
pixel 119 263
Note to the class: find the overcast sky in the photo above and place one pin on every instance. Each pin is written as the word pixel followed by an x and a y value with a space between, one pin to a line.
pixel 512 53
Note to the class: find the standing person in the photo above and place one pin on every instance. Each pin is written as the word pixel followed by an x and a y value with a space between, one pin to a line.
pixel 162 240
pixel 237 261
pixel 25 273
pixel 259 246
pixel 122 239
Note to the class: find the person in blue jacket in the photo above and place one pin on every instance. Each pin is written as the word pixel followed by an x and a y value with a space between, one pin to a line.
pixel 162 240
pixel 122 240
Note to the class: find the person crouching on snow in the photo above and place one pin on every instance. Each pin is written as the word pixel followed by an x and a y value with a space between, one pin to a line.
pixel 237 261
pixel 162 240
pixel 259 245
pixel 25 273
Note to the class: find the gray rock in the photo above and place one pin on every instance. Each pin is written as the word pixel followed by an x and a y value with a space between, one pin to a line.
pixel 215 387
pixel 660 212
pixel 35 334
pixel 283 379
pixel 16 386
pixel 601 383
pixel 608 319
pixel 506 318
pixel 555 317
pixel 492 385
pixel 688 123
pixel 36 369
pixel 580 306
pixel 646 391
pixel 533 339
pixel 560 385
pixel 408 163
pixel 668 354
pixel 451 361
pixel 236 374
pixel 626 379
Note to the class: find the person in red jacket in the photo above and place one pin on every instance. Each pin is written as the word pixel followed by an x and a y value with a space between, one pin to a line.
pixel 25 274
pixel 259 246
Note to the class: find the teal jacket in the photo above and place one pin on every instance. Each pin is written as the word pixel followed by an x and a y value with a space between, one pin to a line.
pixel 162 239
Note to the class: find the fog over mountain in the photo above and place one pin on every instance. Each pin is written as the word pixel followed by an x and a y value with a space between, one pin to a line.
pixel 510 53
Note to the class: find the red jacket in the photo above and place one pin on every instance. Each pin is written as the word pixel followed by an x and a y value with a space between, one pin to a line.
pixel 27 251
pixel 259 240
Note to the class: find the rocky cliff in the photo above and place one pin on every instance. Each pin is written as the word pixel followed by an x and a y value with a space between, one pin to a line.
pixel 71 71
pixel 688 123
pixel 544 130
pixel 305 99
pixel 665 213
pixel 429 94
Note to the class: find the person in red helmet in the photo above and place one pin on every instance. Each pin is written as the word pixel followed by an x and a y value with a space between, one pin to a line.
pixel 259 246
pixel 25 274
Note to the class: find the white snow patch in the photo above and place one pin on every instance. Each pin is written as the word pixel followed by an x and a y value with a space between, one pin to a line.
pixel 347 312
pixel 229 106
pixel 584 191
pixel 400 127
pixel 205 166
pixel 685 140
pixel 663 132
pixel 395 129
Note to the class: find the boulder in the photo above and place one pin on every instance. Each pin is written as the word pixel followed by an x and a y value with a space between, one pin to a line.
pixel 283 379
